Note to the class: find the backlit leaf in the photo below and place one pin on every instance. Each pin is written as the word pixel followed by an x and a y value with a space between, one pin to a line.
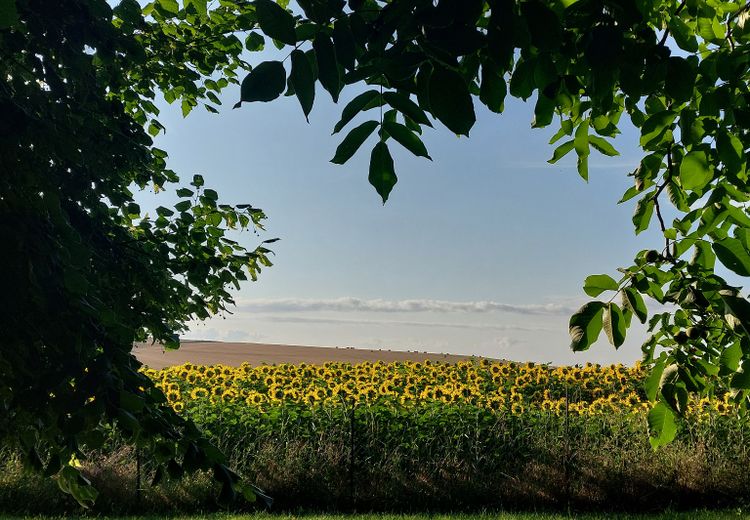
pixel 613 323
pixel 733 255
pixel 695 171
pixel 661 423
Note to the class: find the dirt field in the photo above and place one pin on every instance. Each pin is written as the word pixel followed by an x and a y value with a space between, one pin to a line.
pixel 234 354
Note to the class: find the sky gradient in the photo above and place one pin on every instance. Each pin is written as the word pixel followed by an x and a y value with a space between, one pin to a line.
pixel 481 251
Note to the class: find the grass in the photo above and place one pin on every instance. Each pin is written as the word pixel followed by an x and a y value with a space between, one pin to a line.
pixel 689 515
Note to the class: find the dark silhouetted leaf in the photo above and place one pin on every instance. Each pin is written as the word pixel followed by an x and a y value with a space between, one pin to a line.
pixel 450 100
pixel 355 106
pixel 382 175
pixel 302 80
pixel 407 107
pixel 328 68
pixel 406 138
pixel 265 82
pixel 353 141
pixel 275 21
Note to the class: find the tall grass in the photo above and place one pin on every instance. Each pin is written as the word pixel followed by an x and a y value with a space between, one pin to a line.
pixel 431 458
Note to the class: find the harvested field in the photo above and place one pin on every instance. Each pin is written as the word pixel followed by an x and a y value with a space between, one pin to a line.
pixel 234 354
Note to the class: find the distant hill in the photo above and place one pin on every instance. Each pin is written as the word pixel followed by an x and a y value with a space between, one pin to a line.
pixel 234 354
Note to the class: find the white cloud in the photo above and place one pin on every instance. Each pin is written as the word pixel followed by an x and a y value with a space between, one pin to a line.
pixel 391 323
pixel 350 304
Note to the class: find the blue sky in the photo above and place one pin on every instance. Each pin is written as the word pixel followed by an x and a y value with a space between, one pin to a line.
pixel 487 221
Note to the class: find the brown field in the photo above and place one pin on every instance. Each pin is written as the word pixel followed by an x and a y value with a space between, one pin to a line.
pixel 234 354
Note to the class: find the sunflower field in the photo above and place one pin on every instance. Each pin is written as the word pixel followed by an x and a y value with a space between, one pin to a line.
pixel 474 434
pixel 502 387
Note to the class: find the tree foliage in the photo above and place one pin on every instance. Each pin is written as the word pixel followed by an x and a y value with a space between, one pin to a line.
pixel 677 70
pixel 85 272
pixel 88 273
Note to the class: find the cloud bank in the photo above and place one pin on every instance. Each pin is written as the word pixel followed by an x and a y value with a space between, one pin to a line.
pixel 400 323
pixel 350 304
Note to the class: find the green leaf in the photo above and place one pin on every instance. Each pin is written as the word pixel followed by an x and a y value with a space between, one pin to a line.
pixel 598 283
pixel 741 379
pixel 353 141
pixel 655 126
pixel 8 13
pixel 602 146
pixel 493 89
pixel 183 205
pixel 582 165
pixel 172 342
pixel 382 175
pixel 265 82
pixel 643 211
pixel 343 41
pixel 733 255
pixel 275 21
pixel 661 423
pixel 730 358
pixel 355 106
pixel 406 138
pixel 302 80
pixel 328 68
pixel 613 323
pixel 200 6
pixel 450 100
pixel 736 311
pixel 683 35
pixel 731 151
pixel 680 79
pixel 581 138
pixel 695 171
pixel 703 255
pixel 169 6
pixel 407 107
pixel 585 325
pixel 561 151
pixel 633 300
pixel 651 385
pixel 255 42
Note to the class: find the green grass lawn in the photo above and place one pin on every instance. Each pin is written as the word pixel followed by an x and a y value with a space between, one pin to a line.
pixel 693 515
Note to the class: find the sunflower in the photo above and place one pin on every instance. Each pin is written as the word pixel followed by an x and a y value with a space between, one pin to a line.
pixel 198 393
pixel 254 399
pixel 276 392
